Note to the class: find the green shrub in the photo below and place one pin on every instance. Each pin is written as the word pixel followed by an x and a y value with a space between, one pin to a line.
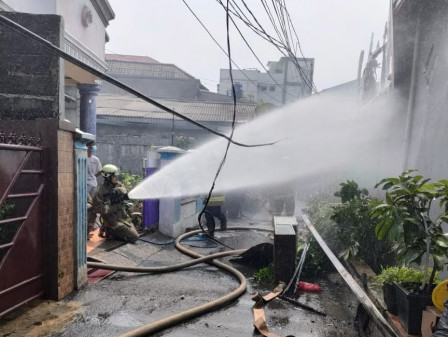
pixel 129 180
pixel 347 227
pixel 315 261
pixel 265 275
pixel 403 276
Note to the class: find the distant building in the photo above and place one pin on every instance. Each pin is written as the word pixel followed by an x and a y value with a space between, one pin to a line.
pixel 151 77
pixel 127 125
pixel 282 84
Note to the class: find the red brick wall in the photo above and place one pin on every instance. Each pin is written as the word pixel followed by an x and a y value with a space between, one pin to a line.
pixel 66 218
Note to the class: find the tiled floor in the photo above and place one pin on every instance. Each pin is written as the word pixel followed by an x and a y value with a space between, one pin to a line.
pixel 94 241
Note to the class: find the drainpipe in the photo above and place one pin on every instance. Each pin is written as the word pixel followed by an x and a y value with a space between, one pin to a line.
pixel 411 109
pixel 87 119
pixel 285 80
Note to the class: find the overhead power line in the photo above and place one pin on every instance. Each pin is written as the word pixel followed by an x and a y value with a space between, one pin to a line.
pixel 283 42
pixel 58 52
pixel 256 56
pixel 222 49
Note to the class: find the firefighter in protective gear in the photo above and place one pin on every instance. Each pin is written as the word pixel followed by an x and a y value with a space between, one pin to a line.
pixel 109 202
pixel 283 197
pixel 91 216
pixel 214 209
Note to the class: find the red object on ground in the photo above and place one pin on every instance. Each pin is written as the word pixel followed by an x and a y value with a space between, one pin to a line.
pixel 308 286
pixel 95 275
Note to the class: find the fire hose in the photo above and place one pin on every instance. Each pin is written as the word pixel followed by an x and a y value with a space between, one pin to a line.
pixel 196 311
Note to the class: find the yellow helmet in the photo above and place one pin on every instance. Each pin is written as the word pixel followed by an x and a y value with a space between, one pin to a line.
pixel 109 170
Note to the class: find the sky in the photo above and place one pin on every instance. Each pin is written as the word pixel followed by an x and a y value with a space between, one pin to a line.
pixel 333 32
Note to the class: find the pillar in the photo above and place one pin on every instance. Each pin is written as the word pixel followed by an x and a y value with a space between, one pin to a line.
pixel 87 119
pixel 151 206
pixel 285 249
pixel 169 208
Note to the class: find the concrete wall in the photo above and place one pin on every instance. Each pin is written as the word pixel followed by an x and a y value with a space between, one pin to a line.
pixel 126 144
pixel 92 36
pixel 30 98
pixel 29 75
pixel 176 215
pixel 427 137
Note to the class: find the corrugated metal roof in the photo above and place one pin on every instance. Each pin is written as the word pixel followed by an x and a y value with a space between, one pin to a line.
pixel 154 70
pixel 130 58
pixel 129 106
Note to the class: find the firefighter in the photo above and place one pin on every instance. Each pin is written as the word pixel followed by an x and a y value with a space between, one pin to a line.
pixel 109 202
pixel 91 216
pixel 283 197
pixel 214 209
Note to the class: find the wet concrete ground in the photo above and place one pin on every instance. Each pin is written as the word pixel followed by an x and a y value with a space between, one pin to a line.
pixel 125 301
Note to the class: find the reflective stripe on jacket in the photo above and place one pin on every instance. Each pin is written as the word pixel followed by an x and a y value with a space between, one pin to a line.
pixel 216 200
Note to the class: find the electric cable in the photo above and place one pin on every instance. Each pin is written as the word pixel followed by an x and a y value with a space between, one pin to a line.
pixel 217 43
pixel 58 52
pixel 221 165
pixel 291 55
pixel 258 59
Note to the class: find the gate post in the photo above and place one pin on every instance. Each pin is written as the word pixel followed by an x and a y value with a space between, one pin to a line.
pixel 81 213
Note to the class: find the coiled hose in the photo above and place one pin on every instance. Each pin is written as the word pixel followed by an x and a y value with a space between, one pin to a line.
pixel 196 311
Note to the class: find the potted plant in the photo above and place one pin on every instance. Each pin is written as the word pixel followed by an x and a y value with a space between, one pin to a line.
pixel 386 280
pixel 409 219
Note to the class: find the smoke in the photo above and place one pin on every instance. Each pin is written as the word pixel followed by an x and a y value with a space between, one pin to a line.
pixel 321 136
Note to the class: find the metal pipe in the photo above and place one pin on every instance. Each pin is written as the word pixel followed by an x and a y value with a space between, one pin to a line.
pixel 411 101
pixel 18 147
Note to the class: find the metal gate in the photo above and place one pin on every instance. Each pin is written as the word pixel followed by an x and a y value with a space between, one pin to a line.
pixel 22 276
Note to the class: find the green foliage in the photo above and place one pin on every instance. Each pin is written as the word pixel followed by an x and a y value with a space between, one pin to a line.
pixel 319 210
pixel 129 180
pixel 6 210
pixel 402 275
pixel 407 277
pixel 265 275
pixel 354 228
pixel 407 216
pixel 315 261
pixel 182 142
pixel 350 191
pixel 347 227
pixel 388 275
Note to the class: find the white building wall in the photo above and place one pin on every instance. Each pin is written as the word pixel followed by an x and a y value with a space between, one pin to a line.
pixel 30 6
pixel 83 42
pixel 93 36
pixel 281 85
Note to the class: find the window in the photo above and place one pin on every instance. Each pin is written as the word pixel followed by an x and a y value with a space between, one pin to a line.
pixel 272 88
pixel 263 88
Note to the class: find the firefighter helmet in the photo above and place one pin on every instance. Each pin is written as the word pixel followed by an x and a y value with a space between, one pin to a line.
pixel 109 170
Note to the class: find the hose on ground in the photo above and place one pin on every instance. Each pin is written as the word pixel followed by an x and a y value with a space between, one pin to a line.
pixel 196 311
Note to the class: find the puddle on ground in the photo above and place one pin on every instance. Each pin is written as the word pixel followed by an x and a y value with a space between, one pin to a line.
pixel 123 319
pixel 39 319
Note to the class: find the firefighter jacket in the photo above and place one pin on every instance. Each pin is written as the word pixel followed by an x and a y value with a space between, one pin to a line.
pixel 216 200
pixel 109 202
